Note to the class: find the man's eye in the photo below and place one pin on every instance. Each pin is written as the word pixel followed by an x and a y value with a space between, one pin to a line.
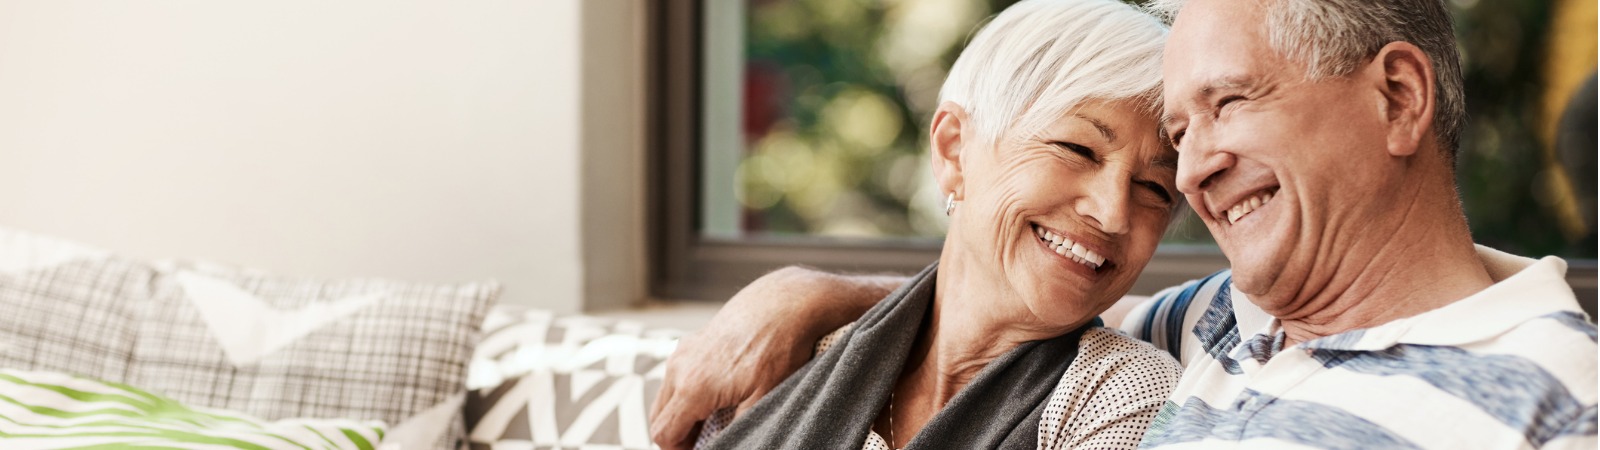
pixel 1225 101
pixel 1176 137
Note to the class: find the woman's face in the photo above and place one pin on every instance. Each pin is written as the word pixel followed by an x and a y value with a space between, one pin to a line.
pixel 1067 217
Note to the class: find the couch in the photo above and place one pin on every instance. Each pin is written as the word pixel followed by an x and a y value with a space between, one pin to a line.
pixel 438 365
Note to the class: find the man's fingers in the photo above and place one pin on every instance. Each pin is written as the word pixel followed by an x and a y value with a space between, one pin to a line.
pixel 661 412
pixel 663 430
pixel 693 436
pixel 676 422
pixel 749 402
pixel 663 395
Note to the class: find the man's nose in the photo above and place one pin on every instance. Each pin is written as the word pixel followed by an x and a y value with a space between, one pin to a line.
pixel 1200 162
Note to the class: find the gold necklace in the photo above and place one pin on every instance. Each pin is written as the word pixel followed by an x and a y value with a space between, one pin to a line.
pixel 891 421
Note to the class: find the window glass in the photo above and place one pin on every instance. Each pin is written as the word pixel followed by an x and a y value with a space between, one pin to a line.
pixel 816 116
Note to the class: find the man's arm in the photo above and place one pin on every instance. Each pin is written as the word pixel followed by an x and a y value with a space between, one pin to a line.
pixel 1114 316
pixel 763 334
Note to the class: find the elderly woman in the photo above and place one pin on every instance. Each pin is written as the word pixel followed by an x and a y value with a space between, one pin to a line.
pixel 1058 190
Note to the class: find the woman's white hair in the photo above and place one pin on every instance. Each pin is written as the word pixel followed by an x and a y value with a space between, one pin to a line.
pixel 1035 61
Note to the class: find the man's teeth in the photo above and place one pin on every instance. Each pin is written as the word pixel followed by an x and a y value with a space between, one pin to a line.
pixel 1244 208
pixel 1071 250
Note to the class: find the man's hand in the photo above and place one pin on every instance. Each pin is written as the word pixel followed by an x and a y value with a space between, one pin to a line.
pixel 764 333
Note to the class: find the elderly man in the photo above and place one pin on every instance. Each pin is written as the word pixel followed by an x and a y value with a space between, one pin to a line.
pixel 1317 141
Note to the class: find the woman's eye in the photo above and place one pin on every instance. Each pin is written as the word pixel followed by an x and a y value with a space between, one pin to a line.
pixel 1078 149
pixel 1176 137
pixel 1158 191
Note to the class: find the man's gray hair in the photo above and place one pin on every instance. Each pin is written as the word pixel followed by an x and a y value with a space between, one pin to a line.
pixel 1038 59
pixel 1334 37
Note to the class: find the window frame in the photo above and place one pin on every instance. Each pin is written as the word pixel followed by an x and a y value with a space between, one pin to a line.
pixel 685 265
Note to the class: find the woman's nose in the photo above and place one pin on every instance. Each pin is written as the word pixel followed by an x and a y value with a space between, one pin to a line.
pixel 1106 203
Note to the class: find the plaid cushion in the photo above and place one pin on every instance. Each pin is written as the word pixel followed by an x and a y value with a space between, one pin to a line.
pixel 548 382
pixel 384 350
pixel 67 307
pixel 270 346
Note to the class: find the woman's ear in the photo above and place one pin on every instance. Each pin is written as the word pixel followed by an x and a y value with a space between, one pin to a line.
pixel 947 136
pixel 1409 95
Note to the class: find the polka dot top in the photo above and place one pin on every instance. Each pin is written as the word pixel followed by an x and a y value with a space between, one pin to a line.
pixel 1105 400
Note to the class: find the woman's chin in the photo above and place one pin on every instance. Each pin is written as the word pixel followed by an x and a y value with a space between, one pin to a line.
pixel 1061 317
pixel 1062 302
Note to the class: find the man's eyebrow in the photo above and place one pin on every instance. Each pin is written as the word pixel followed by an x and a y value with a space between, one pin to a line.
pixel 1208 89
pixel 1226 82
pixel 1105 131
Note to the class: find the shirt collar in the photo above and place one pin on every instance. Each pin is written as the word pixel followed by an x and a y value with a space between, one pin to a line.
pixel 1251 319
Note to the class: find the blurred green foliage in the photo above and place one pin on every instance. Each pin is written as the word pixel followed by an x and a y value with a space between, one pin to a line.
pixel 838 94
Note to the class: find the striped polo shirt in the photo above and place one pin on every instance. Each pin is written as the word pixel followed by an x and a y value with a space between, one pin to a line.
pixel 1510 367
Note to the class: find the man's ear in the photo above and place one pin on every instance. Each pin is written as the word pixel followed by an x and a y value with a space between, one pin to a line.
pixel 1409 94
pixel 948 135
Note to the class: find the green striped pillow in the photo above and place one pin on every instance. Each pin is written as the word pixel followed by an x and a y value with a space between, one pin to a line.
pixel 46 410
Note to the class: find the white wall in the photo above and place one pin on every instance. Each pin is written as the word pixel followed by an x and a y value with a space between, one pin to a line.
pixel 421 140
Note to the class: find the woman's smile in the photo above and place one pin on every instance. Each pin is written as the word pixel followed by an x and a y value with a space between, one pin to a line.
pixel 1071 253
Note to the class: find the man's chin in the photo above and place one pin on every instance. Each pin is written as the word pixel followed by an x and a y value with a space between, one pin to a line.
pixel 1255 270
pixel 1252 283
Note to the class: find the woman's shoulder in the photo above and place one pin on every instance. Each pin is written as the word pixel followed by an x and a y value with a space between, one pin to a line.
pixel 1112 350
pixel 1109 394
pixel 827 341
pixel 1114 372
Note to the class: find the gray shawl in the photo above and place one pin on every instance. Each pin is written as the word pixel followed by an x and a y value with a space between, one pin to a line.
pixel 832 401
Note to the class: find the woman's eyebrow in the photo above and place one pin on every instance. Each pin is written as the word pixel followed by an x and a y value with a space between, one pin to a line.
pixel 1167 160
pixel 1105 131
pixel 1165 163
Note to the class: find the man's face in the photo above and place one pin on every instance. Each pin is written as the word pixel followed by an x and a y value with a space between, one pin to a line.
pixel 1283 171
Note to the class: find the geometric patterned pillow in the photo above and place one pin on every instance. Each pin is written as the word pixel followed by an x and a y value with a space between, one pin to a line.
pixel 547 382
pixel 269 346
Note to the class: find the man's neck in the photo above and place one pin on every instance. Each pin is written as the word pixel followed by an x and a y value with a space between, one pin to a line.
pixel 1423 261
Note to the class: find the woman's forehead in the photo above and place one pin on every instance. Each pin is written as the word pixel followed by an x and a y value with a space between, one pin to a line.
pixel 1105 124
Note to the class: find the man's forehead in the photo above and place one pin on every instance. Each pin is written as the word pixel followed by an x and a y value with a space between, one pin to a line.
pixel 1242 11
pixel 1211 50
pixel 1206 28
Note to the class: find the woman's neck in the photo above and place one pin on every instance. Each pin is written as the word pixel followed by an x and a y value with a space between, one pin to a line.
pixel 949 354
pixel 967 327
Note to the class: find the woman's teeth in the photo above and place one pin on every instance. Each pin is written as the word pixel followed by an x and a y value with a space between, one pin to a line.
pixel 1244 208
pixel 1071 250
